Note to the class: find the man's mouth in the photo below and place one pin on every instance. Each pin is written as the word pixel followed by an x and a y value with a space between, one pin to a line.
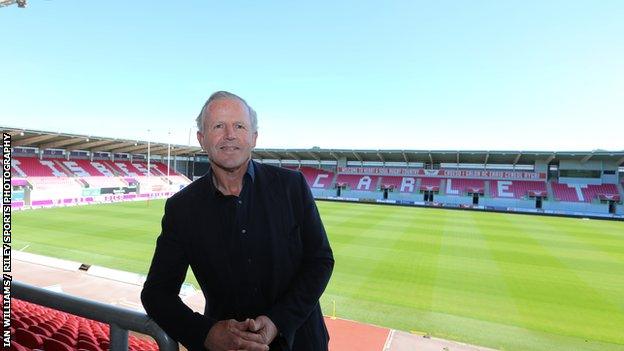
pixel 229 148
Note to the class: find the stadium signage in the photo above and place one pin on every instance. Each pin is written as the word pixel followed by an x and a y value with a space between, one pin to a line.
pixel 6 240
pixel 117 191
pixel 443 173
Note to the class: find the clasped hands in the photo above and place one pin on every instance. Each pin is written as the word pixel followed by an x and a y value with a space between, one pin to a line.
pixel 248 335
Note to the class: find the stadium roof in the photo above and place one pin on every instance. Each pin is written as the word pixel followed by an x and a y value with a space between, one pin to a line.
pixel 52 140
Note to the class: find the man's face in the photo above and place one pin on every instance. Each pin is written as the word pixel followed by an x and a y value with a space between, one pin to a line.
pixel 227 137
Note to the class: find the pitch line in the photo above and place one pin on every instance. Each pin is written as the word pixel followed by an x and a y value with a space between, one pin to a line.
pixel 389 340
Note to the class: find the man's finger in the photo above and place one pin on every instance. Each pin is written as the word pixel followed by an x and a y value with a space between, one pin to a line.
pixel 244 325
pixel 252 346
pixel 253 325
pixel 249 336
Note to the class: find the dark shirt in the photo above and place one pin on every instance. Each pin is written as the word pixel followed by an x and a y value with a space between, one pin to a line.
pixel 243 227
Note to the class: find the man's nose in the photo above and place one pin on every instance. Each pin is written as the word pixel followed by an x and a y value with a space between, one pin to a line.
pixel 229 132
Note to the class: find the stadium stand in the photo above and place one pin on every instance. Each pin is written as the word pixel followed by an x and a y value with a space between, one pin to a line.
pixel 33 167
pixel 430 184
pixel 563 192
pixel 130 169
pixel 510 180
pixel 401 184
pixel 585 192
pixel 317 178
pixel 517 189
pixel 42 328
pixel 56 181
pixel 601 192
pixel 162 168
pixel 84 168
pixel 154 166
pixel 111 166
pixel 460 186
pixel 358 182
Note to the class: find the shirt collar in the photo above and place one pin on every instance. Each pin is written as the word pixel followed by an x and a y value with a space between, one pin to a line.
pixel 251 171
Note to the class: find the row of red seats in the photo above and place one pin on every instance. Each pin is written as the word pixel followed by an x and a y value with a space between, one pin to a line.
pixel 36 327
pixel 54 167
pixel 358 182
pixel 517 188
pixel 459 186
pixel 317 178
pixel 584 192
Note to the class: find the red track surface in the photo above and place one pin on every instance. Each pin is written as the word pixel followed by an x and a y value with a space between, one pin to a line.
pixel 348 336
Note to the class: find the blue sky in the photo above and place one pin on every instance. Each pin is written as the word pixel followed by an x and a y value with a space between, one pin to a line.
pixel 481 75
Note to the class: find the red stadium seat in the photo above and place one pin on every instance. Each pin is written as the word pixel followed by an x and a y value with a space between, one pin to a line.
pixel 63 338
pixel 48 327
pixel 17 347
pixel 87 346
pixel 38 319
pixel 54 345
pixel 17 323
pixel 28 339
pixel 67 331
pixel 39 330
pixel 104 344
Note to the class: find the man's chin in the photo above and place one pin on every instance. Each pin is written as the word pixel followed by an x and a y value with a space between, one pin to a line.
pixel 230 166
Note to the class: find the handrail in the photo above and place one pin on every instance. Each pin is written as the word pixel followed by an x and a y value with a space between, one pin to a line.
pixel 119 319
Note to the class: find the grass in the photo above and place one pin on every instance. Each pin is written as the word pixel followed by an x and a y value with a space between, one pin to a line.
pixel 513 282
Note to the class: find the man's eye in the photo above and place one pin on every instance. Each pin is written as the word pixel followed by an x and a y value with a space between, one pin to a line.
pixel 240 126
pixel 218 126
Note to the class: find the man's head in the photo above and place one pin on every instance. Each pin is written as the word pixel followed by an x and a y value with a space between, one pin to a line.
pixel 227 130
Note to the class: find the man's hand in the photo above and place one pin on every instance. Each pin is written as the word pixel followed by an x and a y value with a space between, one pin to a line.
pixel 264 327
pixel 234 335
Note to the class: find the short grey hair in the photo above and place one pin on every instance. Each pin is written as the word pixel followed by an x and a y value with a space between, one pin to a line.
pixel 253 117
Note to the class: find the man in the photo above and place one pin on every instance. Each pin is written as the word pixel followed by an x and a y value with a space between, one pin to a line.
pixel 253 237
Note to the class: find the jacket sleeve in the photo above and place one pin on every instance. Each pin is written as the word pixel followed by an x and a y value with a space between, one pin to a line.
pixel 160 295
pixel 295 306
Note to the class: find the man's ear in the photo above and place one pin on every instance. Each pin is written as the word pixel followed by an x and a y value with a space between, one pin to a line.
pixel 200 137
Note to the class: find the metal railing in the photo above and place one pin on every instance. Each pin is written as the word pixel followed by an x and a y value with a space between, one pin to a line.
pixel 119 319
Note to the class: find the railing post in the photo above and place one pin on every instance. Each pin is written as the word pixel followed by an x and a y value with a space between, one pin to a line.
pixel 118 338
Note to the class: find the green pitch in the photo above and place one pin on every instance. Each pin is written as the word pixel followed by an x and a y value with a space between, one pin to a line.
pixel 515 282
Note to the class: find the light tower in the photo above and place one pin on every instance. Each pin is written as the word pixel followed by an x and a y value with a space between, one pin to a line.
pixel 20 3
